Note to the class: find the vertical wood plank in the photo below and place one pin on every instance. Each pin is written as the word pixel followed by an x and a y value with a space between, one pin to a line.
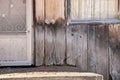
pixel 60 45
pixel 103 9
pixel 49 45
pixel 77 46
pixel 92 59
pixel 114 51
pixel 54 45
pixel 98 50
pixel 102 50
pixel 94 9
pixel 39 47
pixel 39 8
pixel 97 9
pixel 39 33
pixel 83 10
pixel 80 9
pixel 88 9
pixel 54 10
pixel 74 9
pixel 113 10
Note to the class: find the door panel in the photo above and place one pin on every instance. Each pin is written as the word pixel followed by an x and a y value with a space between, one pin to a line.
pixel 15 32
pixel 12 15
pixel 13 47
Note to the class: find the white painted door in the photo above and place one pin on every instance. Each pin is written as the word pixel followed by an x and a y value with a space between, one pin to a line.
pixel 15 32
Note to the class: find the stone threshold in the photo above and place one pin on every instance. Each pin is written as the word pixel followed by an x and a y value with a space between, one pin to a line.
pixel 47 73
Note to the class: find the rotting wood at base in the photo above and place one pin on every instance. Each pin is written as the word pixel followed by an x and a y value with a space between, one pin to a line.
pixel 39 8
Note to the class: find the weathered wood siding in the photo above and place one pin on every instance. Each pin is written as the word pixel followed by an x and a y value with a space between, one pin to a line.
pixel 50 33
pixel 76 36
pixel 39 8
pixel 54 45
pixel 49 10
pixel 39 45
pixel 98 49
pixel 114 50
pixel 91 47
pixel 93 9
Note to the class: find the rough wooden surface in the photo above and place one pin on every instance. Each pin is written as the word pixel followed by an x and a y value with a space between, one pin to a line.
pixel 39 8
pixel 77 46
pixel 39 45
pixel 93 9
pixel 102 51
pixel 98 50
pixel 114 51
pixel 60 45
pixel 49 10
pixel 83 46
pixel 92 59
pixel 91 47
pixel 54 9
pixel 49 45
pixel 54 45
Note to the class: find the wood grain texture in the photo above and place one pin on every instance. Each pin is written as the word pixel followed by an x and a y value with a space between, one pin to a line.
pixel 60 45
pixel 102 50
pixel 93 9
pixel 114 50
pixel 54 45
pixel 54 9
pixel 49 10
pixel 92 59
pixel 39 45
pixel 39 8
pixel 98 50
pixel 77 46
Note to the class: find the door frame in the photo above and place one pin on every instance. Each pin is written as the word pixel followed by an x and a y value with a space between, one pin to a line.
pixel 30 39
pixel 30 31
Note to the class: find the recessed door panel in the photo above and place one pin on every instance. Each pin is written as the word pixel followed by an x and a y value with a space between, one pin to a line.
pixel 12 15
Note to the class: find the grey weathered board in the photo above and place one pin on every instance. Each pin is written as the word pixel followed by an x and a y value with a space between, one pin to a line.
pixel 76 36
pixel 92 63
pixel 83 46
pixel 54 45
pixel 39 45
pixel 114 50
pixel 102 50
pixel 98 50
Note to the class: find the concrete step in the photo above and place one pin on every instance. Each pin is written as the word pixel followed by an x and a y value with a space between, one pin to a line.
pixel 46 74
